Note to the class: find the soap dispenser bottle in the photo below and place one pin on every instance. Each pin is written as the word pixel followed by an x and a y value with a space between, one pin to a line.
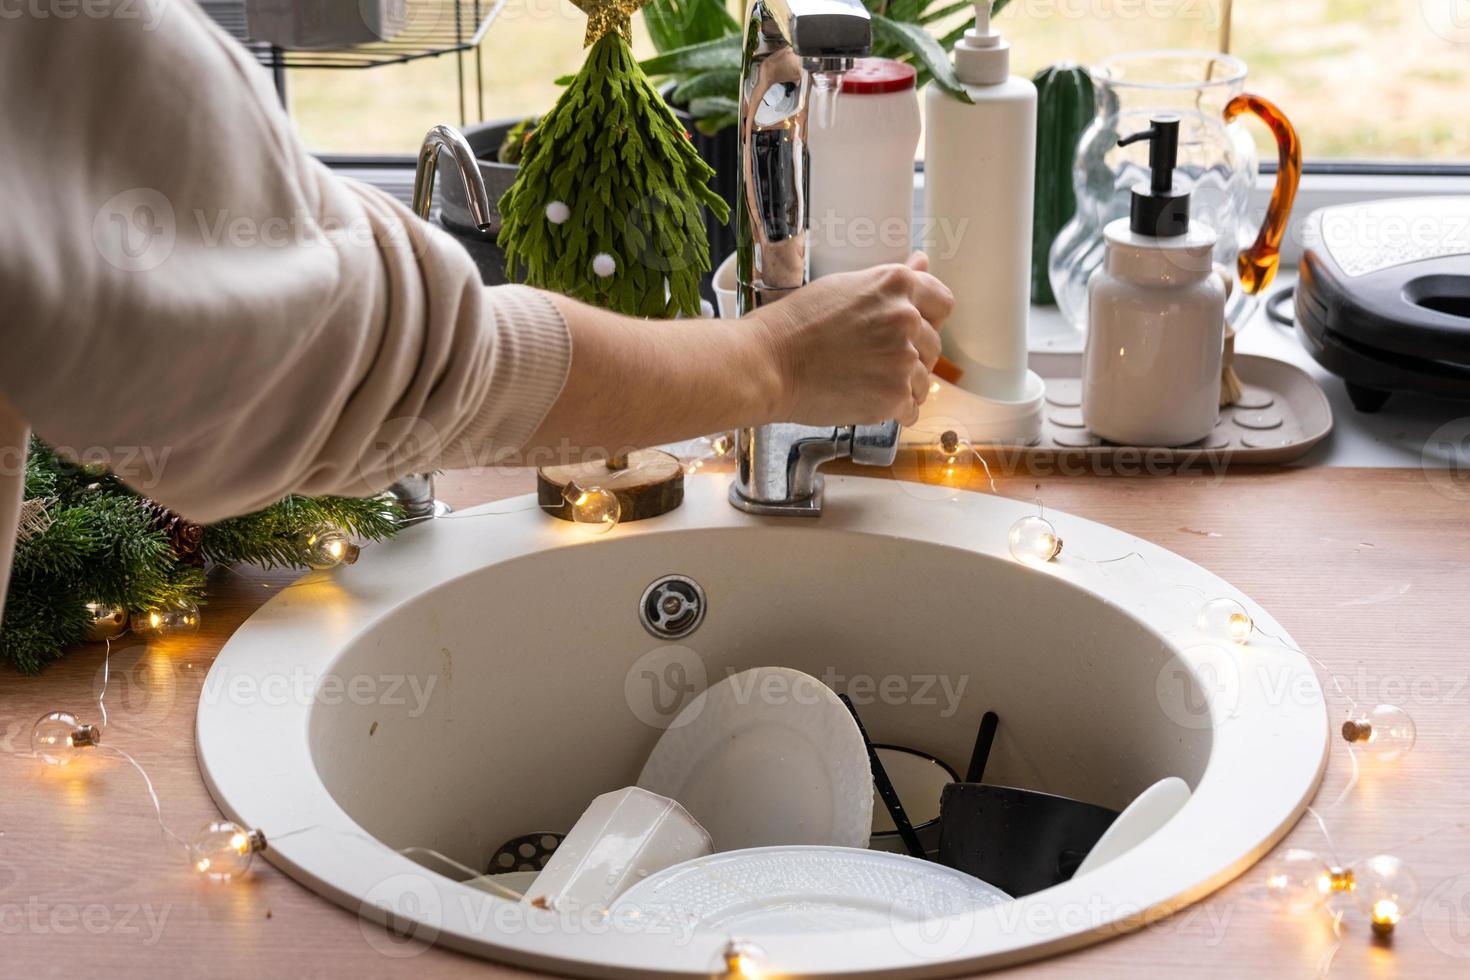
pixel 1156 313
pixel 979 175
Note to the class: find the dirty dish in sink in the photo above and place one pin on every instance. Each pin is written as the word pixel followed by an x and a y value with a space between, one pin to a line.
pixel 784 890
pixel 620 838
pixel 1149 811
pixel 767 756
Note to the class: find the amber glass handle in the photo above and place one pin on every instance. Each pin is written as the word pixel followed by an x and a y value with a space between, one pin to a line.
pixel 1257 265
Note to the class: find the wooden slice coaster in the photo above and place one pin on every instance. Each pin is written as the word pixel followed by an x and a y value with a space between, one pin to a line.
pixel 652 483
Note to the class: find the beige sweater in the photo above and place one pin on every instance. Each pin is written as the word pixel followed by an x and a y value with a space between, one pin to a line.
pixel 190 297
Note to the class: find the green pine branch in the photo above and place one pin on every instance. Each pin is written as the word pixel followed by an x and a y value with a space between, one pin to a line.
pixel 102 546
pixel 271 537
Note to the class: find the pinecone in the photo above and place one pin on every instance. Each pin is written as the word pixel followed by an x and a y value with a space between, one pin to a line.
pixel 185 537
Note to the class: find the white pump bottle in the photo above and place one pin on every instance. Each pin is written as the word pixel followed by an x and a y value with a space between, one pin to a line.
pixel 979 175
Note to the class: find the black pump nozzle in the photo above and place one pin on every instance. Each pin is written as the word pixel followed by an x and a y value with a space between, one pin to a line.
pixel 1159 208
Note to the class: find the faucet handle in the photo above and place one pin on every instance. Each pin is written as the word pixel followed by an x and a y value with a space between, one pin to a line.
pixel 874 445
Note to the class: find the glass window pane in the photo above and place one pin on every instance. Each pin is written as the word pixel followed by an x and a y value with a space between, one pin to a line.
pixel 1362 79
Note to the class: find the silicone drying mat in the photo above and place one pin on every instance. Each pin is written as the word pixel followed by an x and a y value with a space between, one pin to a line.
pixel 1281 415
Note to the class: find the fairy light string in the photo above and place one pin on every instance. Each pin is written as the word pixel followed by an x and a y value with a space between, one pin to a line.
pixel 1380 886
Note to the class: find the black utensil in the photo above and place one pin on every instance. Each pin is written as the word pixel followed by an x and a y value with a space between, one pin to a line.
pixel 1018 840
pixel 984 739
pixel 886 792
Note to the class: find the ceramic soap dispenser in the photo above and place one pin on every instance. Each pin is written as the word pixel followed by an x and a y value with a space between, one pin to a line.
pixel 1156 314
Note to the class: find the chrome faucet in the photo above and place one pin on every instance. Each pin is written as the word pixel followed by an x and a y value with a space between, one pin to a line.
pixel 415 492
pixel 786 41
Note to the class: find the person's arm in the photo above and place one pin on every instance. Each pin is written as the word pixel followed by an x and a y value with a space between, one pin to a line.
pixel 851 348
pixel 195 300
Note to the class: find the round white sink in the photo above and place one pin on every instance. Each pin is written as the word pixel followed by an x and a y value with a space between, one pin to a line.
pixel 484 677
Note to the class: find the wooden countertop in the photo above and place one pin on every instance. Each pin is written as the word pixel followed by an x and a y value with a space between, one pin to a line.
pixel 1368 569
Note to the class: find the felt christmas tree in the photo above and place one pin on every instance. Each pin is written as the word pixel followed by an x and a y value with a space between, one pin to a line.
pixel 607 205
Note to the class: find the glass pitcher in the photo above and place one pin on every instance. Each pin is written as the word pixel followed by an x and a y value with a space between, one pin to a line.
pixel 1216 155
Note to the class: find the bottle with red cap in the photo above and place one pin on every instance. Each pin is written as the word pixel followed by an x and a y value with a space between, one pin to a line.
pixel 863 131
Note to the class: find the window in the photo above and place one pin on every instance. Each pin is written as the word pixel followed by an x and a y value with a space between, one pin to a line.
pixel 388 109
pixel 1380 80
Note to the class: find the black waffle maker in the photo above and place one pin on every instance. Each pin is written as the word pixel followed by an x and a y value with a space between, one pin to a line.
pixel 1383 299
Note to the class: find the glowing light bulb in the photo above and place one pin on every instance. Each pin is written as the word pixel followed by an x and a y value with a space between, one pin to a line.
pixel 108 621
pixel 742 961
pixel 1387 891
pixel 722 444
pixel 59 738
pixel 1034 541
pixel 324 547
pixel 223 850
pixel 593 508
pixel 1336 885
pixel 953 456
pixel 1383 734
pixel 1385 914
pixel 175 617
pixel 1225 620
pixel 1298 880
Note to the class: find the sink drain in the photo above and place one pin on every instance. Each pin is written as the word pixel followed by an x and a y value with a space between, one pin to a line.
pixel 672 607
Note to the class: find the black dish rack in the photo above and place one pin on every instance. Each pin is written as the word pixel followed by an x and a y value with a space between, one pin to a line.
pixel 432 28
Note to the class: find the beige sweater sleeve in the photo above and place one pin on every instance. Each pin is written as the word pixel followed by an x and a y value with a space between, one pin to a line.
pixel 189 295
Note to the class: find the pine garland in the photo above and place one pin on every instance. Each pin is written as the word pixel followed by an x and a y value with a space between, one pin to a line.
pixel 616 168
pixel 104 543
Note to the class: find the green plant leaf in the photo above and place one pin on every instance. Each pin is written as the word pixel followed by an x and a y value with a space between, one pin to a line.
pixel 714 105
pixel 704 56
pixel 925 50
pixel 675 24
pixel 722 81
pixel 900 10
pixel 944 10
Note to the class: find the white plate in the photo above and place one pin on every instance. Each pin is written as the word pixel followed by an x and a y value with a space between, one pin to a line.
pixel 784 890
pixel 1149 811
pixel 767 756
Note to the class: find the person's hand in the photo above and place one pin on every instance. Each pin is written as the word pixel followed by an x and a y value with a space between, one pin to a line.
pixel 857 347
